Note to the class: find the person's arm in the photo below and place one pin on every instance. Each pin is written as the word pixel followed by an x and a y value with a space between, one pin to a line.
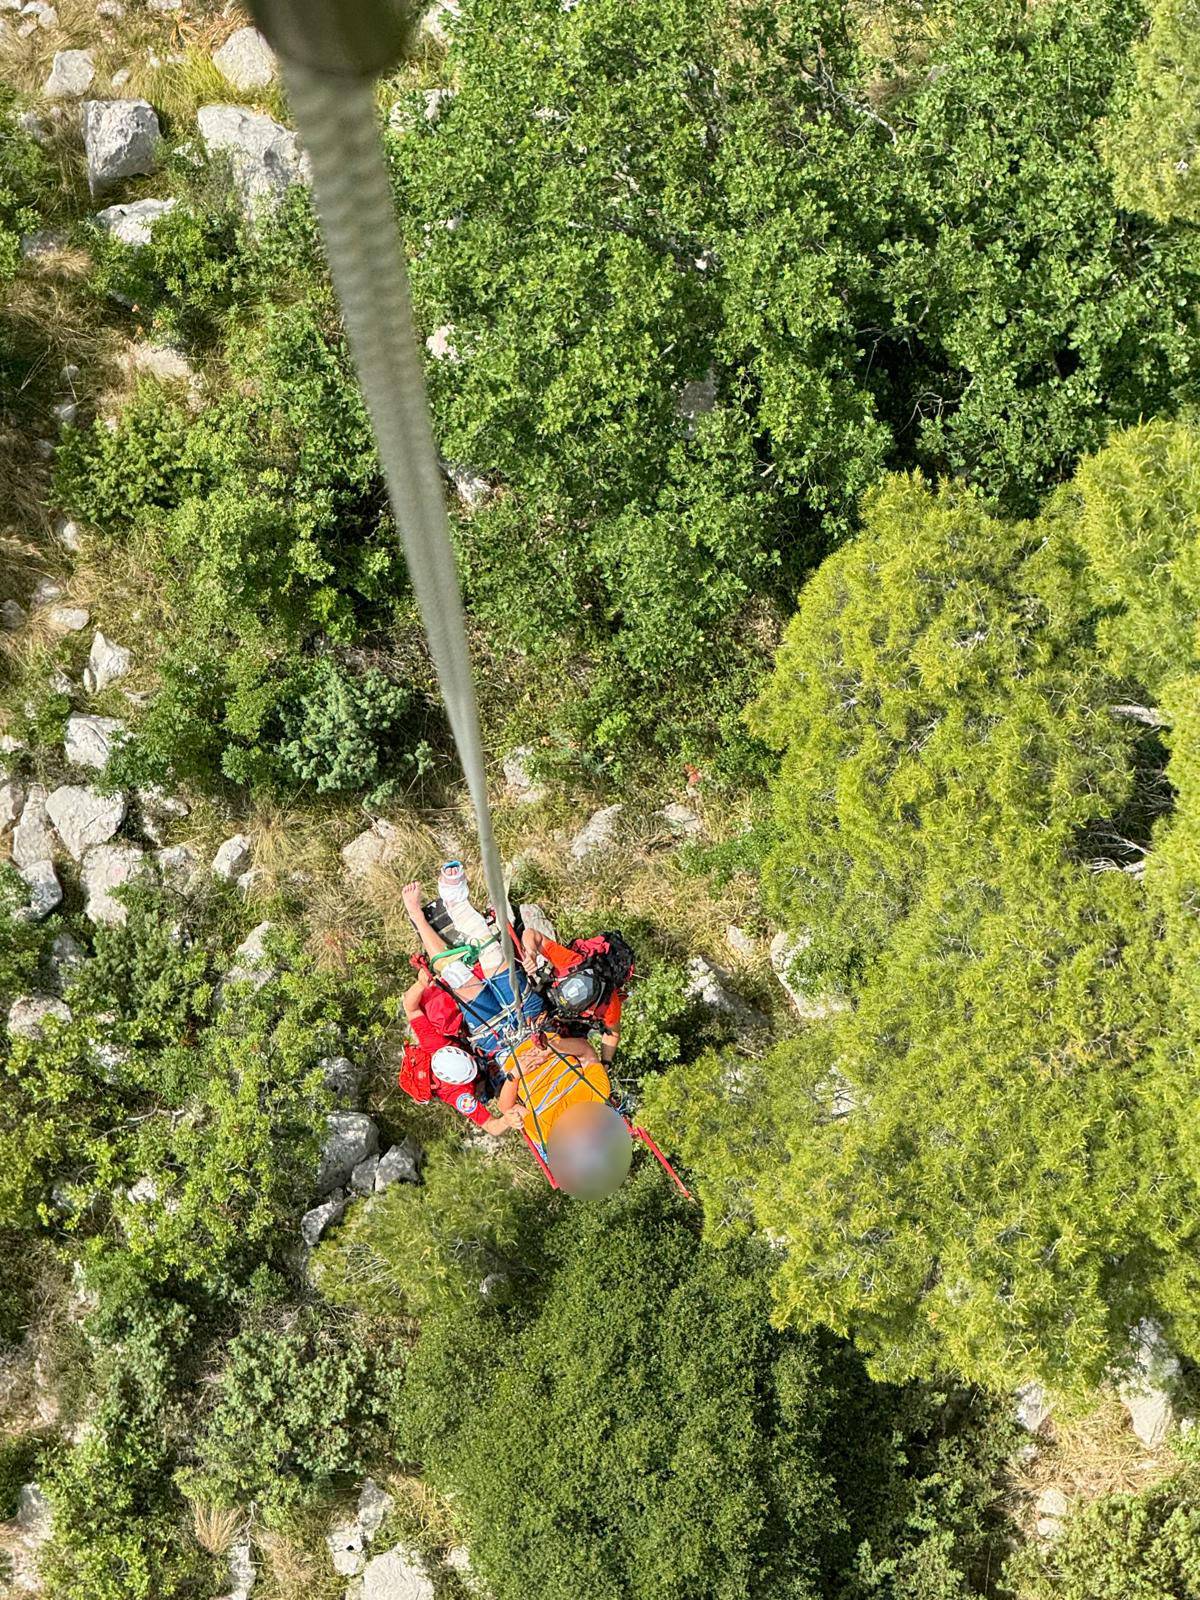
pixel 502 1124
pixel 610 1024
pixel 412 996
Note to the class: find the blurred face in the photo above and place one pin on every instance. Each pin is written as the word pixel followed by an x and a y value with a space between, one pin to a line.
pixel 590 1151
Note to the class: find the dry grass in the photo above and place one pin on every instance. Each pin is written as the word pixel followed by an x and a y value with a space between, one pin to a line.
pixel 215 1527
pixel 420 1516
pixel 293 1563
pixel 1086 1456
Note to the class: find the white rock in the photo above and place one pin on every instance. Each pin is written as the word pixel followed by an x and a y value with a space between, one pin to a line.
pixel 740 942
pixel 697 399
pixel 41 13
pixel 142 1193
pixel 176 865
pixel 350 1138
pixel 112 9
pixel 598 833
pixel 440 344
pixel 374 1504
pixel 362 1179
pixel 34 1521
pixel 105 869
pixel 682 820
pixel 122 140
pixel 439 20
pixel 28 1015
pixel 401 1164
pixel 522 785
pixel 67 619
pixel 33 837
pixel 133 224
pixel 242 1571
pixel 35 1514
pixel 160 361
pixel 347 1545
pixel 436 102
pixel 12 800
pixel 45 593
pixel 343 1077
pixel 65 414
pixel 84 817
pixel 784 953
pixel 246 60
pixel 67 957
pixel 233 857
pixel 1031 1409
pixel 264 156
pixel 42 244
pixel 377 847
pixel 1052 1502
pixel 45 891
pixel 396 1575
pixel 121 77
pixel 1146 1391
pixel 250 963
pixel 471 487
pixel 314 1223
pixel 706 985
pixel 70 76
pixel 12 616
pixel 91 740
pixel 106 663
pixel 1049 1528
pixel 69 534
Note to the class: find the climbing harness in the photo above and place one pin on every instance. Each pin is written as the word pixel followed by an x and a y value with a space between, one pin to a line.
pixel 332 51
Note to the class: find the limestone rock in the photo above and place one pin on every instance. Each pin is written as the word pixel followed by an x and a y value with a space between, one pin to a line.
pixel 436 102
pixel 158 808
pixel 682 821
pixel 68 619
pixel 441 345
pixel 522 785
pixel 708 986
pixel 161 361
pixel 374 1504
pixel 33 838
pixel 697 399
pixel 70 76
pixel 29 1013
pixel 599 833
pixel 43 243
pixel 105 869
pixel 362 1179
pixel 376 847
pixel 347 1546
pixel 69 534
pixel 401 1164
pixel 314 1223
pixel 106 663
pixel 739 941
pixel 33 1526
pixel 1052 1502
pixel 233 857
pixel 84 817
pixel 67 957
pixel 123 140
pixel 45 891
pixel 784 953
pixel 246 60
pixel 242 1571
pixel 133 224
pixel 265 157
pixel 13 616
pixel 439 20
pixel 176 865
pixel 1031 1408
pixel 12 800
pixel 351 1138
pixel 343 1078
pixel 45 592
pixel 250 963
pixel 91 740
pixel 471 487
pixel 1146 1391
pixel 396 1575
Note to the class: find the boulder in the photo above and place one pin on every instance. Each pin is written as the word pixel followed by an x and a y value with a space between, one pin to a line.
pixel 106 663
pixel 396 1575
pixel 784 953
pixel 33 838
pixel 13 616
pixel 314 1223
pixel 45 891
pixel 377 847
pixel 29 1013
pixel 374 1504
pixel 441 345
pixel 250 963
pixel 70 76
pixel 740 942
pixel 264 156
pixel 69 534
pixel 522 785
pixel 439 20
pixel 350 1138
pixel 91 740
pixel 347 1546
pixel 436 102
pixel 176 865
pixel 233 857
pixel 43 243
pixel 84 816
pixel 682 821
pixel 33 1525
pixel 401 1164
pixel 707 986
pixel 599 833
pixel 67 619
pixel 242 1572
pixel 12 801
pixel 344 1078
pixel 123 140
pixel 246 60
pixel 133 224
pixel 362 1179
pixel 160 361
pixel 105 869
pixel 1147 1389
pixel 1031 1409
pixel 67 957
pixel 471 487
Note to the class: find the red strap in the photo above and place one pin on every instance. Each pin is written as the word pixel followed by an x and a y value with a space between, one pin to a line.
pixel 644 1137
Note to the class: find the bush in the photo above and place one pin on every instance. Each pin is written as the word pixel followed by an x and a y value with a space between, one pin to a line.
pixel 1154 140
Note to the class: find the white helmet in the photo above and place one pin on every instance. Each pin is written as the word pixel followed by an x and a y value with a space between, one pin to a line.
pixel 453 1065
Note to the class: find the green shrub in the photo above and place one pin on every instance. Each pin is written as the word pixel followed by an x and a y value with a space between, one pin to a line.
pixel 1153 142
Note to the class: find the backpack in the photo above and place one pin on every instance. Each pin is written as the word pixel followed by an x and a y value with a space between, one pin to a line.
pixel 609 957
pixel 416 1074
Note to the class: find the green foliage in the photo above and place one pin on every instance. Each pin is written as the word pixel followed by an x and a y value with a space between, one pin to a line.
pixel 22 175
pixel 1153 144
pixel 296 1406
pixel 970 1163
pixel 1122 1547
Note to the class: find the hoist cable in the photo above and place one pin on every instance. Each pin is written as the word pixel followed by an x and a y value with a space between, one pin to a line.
pixel 337 124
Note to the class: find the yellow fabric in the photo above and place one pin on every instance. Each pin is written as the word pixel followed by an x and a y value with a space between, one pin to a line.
pixel 554 1085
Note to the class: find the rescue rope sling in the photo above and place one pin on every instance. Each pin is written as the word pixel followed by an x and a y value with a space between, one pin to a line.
pixel 332 52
